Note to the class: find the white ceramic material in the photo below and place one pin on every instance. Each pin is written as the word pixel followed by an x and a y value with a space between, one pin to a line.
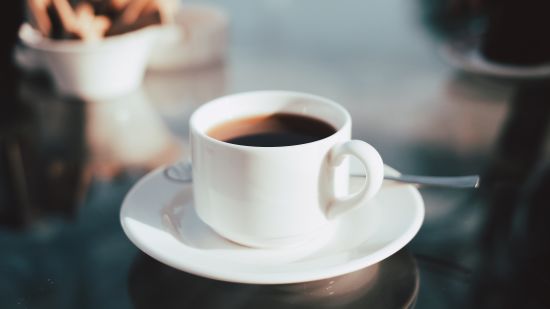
pixel 465 55
pixel 94 70
pixel 276 196
pixel 158 216
pixel 197 37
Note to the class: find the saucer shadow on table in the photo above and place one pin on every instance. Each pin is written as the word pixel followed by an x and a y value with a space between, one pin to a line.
pixel 392 283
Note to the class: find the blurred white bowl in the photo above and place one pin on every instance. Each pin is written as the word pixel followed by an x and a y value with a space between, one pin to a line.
pixel 94 70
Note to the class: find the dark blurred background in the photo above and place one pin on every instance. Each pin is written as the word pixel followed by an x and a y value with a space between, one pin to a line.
pixel 66 163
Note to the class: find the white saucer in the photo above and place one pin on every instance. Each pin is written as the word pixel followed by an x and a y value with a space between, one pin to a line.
pixel 158 216
pixel 465 55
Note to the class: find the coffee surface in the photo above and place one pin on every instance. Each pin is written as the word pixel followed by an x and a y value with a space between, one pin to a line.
pixel 280 129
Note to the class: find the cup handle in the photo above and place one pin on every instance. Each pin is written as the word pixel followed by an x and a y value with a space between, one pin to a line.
pixel 374 170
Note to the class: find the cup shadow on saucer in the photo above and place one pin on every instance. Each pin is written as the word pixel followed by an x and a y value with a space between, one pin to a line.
pixel 391 283
pixel 180 219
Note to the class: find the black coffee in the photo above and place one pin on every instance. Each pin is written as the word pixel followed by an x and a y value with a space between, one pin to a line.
pixel 280 129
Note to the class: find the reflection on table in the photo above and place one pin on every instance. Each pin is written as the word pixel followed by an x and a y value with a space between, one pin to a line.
pixel 392 283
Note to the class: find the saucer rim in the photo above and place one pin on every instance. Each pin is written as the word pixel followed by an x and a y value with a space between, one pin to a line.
pixel 286 277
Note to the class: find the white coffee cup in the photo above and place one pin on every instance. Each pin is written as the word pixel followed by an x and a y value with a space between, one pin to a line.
pixel 276 196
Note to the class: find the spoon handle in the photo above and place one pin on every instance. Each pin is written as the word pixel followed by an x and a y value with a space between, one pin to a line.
pixel 471 181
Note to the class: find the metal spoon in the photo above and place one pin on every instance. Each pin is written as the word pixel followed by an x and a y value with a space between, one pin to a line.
pixel 181 172
pixel 459 182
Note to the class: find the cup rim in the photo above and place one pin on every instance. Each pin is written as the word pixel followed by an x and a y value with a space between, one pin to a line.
pixel 202 133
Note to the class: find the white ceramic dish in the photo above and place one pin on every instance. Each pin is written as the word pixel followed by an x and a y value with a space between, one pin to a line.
pixel 116 65
pixel 465 55
pixel 93 70
pixel 158 216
